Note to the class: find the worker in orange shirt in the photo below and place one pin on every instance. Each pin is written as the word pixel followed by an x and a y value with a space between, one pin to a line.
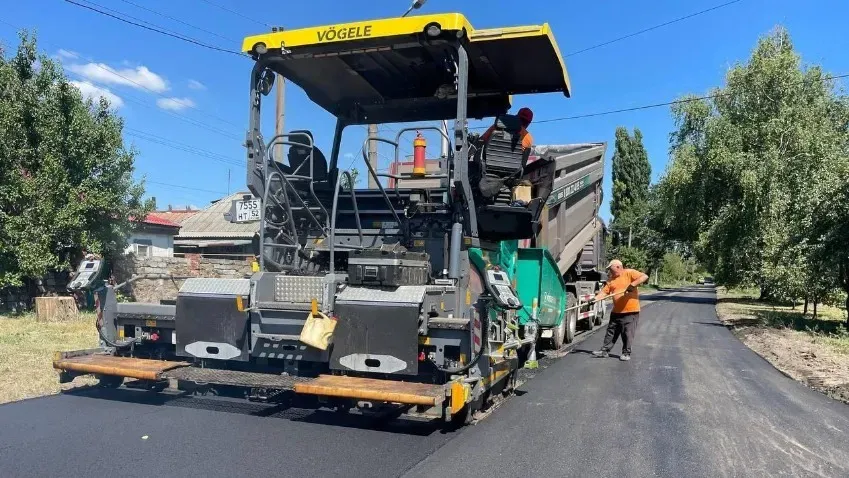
pixel 625 317
pixel 525 116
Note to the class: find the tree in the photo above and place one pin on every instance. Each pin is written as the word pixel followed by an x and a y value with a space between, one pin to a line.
pixel 631 173
pixel 749 166
pixel 633 258
pixel 355 175
pixel 65 176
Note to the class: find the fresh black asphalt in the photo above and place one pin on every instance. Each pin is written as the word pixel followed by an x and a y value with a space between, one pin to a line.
pixel 694 401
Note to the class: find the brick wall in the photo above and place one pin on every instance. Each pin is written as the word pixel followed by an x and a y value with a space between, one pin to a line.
pixel 163 276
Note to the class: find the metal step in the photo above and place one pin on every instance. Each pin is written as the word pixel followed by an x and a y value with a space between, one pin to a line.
pixel 106 364
pixel 235 378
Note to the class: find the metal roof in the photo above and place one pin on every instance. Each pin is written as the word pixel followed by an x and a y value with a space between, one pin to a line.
pixel 176 215
pixel 210 223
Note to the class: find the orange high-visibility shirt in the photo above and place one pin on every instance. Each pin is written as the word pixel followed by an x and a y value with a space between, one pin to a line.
pixel 628 302
pixel 527 139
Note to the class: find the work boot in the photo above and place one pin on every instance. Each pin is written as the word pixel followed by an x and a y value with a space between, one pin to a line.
pixel 625 357
pixel 600 353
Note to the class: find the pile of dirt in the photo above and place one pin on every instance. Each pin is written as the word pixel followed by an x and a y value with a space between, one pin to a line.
pixel 800 355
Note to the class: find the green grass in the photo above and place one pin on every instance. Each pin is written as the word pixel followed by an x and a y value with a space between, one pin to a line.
pixel 740 307
pixel 26 352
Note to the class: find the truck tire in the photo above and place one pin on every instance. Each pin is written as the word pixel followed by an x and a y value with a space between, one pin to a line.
pixel 571 319
pixel 565 332
pixel 558 335
pixel 600 311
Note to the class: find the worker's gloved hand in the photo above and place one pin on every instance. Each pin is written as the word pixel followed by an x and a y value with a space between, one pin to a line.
pixel 631 288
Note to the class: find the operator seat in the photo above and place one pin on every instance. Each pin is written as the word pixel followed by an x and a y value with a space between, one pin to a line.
pixel 299 155
pixel 496 169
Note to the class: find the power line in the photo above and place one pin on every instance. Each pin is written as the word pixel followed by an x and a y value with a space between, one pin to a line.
pixel 151 27
pixel 649 106
pixel 145 136
pixel 183 187
pixel 139 102
pixel 234 12
pixel 655 27
pixel 164 15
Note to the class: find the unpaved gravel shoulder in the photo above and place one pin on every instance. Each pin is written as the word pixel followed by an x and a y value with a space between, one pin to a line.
pixel 805 356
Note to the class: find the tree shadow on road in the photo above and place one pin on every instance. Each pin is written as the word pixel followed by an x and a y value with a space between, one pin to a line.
pixel 691 299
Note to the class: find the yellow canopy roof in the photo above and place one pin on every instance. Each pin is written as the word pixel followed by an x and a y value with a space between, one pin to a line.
pixel 392 70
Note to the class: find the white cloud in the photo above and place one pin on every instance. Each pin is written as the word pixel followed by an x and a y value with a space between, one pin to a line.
pixel 67 54
pixel 94 92
pixel 348 156
pixel 196 85
pixel 175 104
pixel 139 77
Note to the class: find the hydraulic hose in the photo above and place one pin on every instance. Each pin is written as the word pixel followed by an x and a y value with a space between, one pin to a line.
pixel 98 324
pixel 128 343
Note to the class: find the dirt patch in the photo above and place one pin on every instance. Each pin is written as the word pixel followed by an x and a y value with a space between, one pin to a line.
pixel 26 354
pixel 817 355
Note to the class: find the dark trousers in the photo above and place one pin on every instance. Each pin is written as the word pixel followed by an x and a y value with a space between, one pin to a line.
pixel 624 325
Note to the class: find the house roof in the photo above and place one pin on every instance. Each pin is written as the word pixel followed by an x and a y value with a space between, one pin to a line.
pixel 177 215
pixel 210 223
pixel 153 220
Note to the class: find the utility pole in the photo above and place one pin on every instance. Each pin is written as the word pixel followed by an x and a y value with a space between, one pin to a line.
pixel 280 118
pixel 372 155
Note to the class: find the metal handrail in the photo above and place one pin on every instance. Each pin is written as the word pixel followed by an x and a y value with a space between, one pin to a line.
pixel 311 146
pixel 398 141
pixel 374 174
pixel 336 212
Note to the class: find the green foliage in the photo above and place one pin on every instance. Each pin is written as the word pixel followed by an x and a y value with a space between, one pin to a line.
pixel 633 258
pixel 631 174
pixel 750 168
pixel 65 177
pixel 355 175
pixel 675 269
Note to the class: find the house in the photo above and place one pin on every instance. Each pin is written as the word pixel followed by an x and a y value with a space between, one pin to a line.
pixel 209 233
pixel 153 237
pixel 177 215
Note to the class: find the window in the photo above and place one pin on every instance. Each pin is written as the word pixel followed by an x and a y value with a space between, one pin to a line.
pixel 142 247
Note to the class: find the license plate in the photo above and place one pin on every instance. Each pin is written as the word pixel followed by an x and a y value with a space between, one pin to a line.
pixel 150 323
pixel 247 211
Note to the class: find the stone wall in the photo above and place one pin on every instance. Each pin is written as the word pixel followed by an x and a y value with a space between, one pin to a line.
pixel 161 277
pixel 20 299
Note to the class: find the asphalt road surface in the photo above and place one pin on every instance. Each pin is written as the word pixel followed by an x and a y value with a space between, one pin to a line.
pixel 693 401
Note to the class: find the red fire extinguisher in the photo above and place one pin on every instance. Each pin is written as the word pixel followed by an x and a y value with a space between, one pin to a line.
pixel 419 145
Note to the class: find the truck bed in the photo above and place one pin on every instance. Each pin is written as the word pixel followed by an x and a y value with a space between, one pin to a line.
pixel 570 224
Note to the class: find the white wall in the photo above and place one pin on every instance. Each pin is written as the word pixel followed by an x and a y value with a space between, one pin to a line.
pixel 162 245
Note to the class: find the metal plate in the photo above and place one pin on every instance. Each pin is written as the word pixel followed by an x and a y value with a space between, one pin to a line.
pixel 203 285
pixel 298 289
pixel 376 339
pixel 236 378
pixel 407 294
pixel 142 309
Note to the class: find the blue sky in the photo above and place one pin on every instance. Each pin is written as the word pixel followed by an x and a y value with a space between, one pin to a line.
pixel 196 99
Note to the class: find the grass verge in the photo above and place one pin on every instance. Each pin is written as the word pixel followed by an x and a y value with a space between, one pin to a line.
pixel 26 353
pixel 814 351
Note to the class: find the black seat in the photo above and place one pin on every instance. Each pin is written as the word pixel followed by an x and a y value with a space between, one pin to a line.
pixel 298 156
pixel 498 168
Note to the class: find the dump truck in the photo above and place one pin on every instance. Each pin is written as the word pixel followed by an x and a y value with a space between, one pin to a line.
pixel 425 297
